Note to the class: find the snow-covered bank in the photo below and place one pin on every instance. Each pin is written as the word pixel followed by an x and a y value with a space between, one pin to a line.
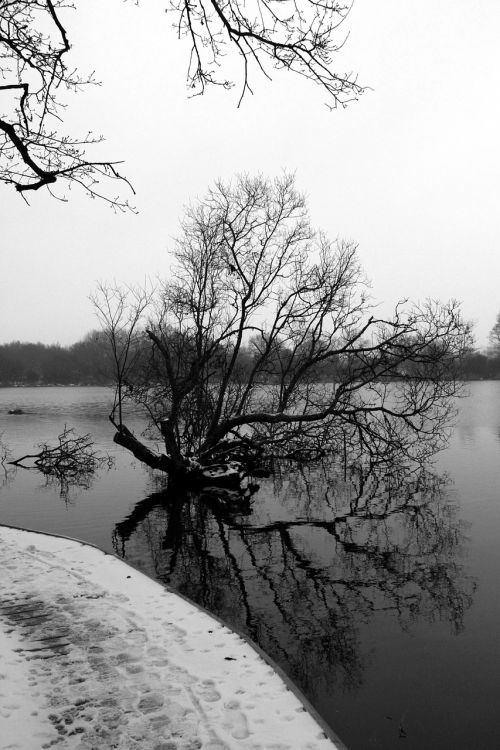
pixel 96 655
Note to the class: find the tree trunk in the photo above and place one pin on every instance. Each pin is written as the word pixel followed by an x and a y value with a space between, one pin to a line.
pixel 229 475
pixel 127 440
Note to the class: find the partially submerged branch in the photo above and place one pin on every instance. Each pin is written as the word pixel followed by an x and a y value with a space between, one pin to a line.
pixel 71 461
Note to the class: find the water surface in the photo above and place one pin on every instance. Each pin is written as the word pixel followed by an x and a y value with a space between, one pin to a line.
pixel 380 601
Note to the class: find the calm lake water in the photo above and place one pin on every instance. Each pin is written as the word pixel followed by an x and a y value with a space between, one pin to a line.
pixel 381 602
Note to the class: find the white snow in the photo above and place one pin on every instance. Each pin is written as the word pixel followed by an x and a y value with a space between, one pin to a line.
pixel 95 655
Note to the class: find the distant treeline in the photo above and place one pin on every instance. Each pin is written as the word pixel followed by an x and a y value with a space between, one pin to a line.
pixel 84 363
pixel 88 362
pixel 479 366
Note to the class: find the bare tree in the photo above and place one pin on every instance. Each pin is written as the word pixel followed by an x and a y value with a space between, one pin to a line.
pixel 494 338
pixel 34 74
pixel 251 276
pixel 119 311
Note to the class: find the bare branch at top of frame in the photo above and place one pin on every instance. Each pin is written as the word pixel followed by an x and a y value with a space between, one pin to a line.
pixel 301 37
pixel 34 74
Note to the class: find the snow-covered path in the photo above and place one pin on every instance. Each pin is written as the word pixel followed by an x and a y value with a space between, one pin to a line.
pixel 95 655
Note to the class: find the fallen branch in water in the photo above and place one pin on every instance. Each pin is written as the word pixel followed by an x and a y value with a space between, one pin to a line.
pixel 72 460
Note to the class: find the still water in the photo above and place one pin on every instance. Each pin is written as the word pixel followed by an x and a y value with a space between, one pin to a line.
pixel 381 601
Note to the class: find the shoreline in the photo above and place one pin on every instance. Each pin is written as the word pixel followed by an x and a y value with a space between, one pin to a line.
pixel 174 673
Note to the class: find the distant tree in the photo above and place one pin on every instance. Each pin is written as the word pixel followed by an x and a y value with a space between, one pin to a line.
pixel 92 359
pixel 250 272
pixel 34 73
pixel 479 366
pixel 494 337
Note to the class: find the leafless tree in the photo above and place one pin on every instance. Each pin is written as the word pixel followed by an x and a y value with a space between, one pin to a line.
pixel 494 337
pixel 35 73
pixel 252 277
pixel 120 311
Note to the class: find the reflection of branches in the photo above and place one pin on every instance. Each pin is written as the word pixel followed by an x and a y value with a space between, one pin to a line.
pixel 72 462
pixel 312 562
pixel 7 473
pixel 399 539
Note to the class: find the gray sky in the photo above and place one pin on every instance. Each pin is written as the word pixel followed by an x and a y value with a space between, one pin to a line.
pixel 411 171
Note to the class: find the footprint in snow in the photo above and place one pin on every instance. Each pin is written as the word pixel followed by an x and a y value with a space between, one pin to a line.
pixel 235 721
pixel 206 690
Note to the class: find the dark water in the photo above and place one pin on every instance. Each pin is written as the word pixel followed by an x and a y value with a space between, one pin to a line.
pixel 380 600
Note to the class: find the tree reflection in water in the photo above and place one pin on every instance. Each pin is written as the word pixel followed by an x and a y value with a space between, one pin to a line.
pixel 308 560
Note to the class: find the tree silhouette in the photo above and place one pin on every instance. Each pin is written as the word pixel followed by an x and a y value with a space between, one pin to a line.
pixel 252 277
pixel 494 337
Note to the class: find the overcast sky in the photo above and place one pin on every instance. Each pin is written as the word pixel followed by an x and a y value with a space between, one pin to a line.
pixel 411 171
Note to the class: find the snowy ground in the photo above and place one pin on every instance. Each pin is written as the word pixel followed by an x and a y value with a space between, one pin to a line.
pixel 95 655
